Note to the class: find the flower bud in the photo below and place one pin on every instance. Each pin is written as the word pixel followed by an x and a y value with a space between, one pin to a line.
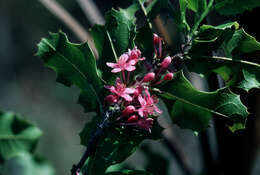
pixel 156 39
pixel 132 119
pixel 149 77
pixel 128 110
pixel 166 62
pixel 111 99
pixel 168 76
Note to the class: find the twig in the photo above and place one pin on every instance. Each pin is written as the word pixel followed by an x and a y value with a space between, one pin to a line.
pixel 91 149
pixel 93 141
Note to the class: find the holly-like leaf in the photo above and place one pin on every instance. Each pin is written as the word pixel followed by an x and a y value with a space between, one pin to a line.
pixel 116 145
pixel 75 64
pixel 234 7
pixel 210 38
pixel 16 135
pixel 114 38
pixel 129 172
pixel 236 71
pixel 113 148
pixel 26 164
pixel 193 109
pixel 240 43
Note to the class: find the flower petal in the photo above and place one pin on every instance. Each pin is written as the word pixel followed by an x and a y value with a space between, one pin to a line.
pixel 127 97
pixel 111 64
pixel 129 90
pixel 141 100
pixel 115 70
pixel 130 68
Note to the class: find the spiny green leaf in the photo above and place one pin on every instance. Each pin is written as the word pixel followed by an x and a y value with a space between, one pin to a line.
pixel 16 135
pixel 114 38
pixel 26 164
pixel 116 145
pixel 113 148
pixel 210 38
pixel 129 172
pixel 193 109
pixel 234 7
pixel 75 64
pixel 234 42
pixel 240 43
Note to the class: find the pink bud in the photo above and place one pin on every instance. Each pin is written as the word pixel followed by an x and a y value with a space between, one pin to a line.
pixel 156 39
pixel 149 77
pixel 168 77
pixel 166 62
pixel 128 110
pixel 111 99
pixel 132 119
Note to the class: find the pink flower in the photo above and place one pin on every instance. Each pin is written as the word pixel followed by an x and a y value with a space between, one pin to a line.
pixel 134 55
pixel 138 90
pixel 148 106
pixel 121 90
pixel 122 64
pixel 146 124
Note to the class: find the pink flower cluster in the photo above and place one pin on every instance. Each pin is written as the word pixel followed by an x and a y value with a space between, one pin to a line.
pixel 134 97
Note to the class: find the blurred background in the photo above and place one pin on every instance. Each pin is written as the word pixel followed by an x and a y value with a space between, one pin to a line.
pixel 29 88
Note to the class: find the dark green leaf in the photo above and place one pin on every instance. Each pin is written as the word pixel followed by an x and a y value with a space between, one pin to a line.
pixel 193 109
pixel 75 64
pixel 16 135
pixel 234 42
pixel 144 41
pixel 240 43
pixel 114 38
pixel 116 145
pixel 129 172
pixel 210 38
pixel 113 148
pixel 26 164
pixel 234 7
